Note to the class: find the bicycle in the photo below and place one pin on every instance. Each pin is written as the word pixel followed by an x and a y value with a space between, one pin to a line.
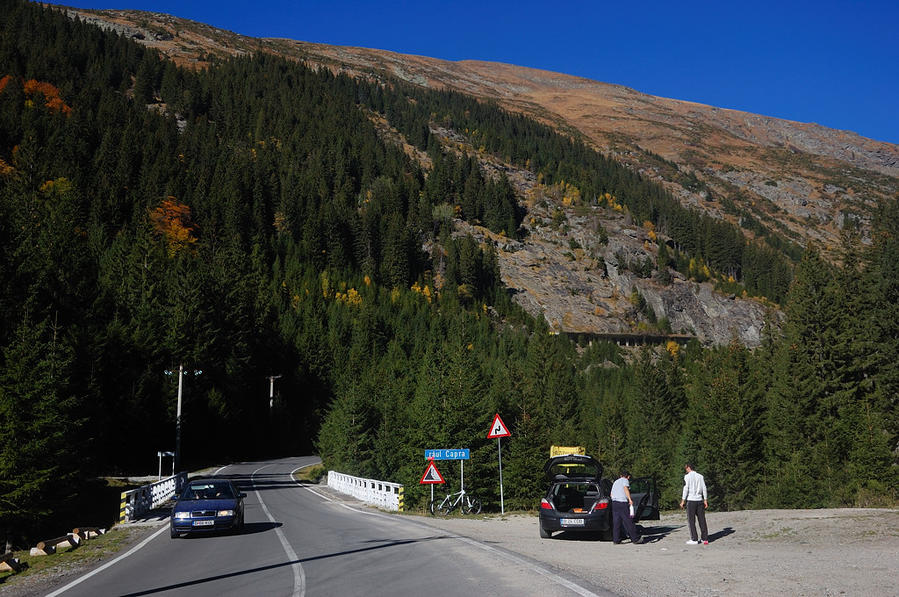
pixel 461 499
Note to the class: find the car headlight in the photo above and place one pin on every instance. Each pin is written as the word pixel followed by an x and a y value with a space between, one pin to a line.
pixel 225 513
pixel 182 515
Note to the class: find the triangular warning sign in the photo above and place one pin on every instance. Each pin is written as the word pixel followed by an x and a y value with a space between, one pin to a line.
pixel 432 476
pixel 498 429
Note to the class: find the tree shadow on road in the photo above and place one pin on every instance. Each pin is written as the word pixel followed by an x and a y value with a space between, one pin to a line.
pixel 200 581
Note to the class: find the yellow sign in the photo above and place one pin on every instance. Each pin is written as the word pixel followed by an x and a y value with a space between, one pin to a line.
pixel 562 450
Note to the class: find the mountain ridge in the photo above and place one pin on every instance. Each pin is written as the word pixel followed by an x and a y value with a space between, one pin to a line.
pixel 800 180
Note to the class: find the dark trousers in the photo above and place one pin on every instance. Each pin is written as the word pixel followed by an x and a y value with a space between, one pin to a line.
pixel 697 510
pixel 621 517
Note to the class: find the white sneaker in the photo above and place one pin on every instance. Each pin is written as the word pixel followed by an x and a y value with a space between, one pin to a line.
pixel 691 542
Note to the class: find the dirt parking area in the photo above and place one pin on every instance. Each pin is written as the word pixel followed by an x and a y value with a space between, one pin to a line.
pixel 757 552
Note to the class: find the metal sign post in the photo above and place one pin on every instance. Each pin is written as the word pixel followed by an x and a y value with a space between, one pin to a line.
pixel 431 476
pixel 460 454
pixel 160 454
pixel 499 449
pixel 499 430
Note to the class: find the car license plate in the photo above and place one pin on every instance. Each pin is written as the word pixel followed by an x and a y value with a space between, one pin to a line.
pixel 204 523
pixel 572 522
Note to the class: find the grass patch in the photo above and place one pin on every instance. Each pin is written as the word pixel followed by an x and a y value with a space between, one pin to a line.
pixel 781 534
pixel 80 558
pixel 311 474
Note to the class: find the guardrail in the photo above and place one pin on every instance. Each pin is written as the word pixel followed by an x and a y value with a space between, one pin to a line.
pixel 382 494
pixel 137 502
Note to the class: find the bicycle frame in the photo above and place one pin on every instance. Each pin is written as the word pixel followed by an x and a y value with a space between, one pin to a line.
pixel 461 499
pixel 452 503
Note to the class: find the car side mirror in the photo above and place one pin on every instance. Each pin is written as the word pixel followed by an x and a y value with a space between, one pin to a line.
pixel 241 495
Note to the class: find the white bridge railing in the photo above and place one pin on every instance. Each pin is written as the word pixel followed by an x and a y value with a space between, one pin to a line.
pixel 137 502
pixel 382 494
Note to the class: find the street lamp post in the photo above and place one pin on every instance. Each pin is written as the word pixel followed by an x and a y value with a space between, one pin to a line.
pixel 271 391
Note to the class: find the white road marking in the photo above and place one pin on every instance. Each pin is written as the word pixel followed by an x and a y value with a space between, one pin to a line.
pixel 309 489
pixel 118 559
pixel 108 564
pixel 299 575
pixel 538 569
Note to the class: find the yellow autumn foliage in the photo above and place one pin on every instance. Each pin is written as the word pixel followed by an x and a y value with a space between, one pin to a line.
pixel 673 348
pixel 350 297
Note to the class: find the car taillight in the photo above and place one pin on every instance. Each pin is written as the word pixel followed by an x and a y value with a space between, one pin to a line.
pixel 600 505
pixel 545 504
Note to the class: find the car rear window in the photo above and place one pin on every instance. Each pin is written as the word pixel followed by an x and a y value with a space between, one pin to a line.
pixel 570 470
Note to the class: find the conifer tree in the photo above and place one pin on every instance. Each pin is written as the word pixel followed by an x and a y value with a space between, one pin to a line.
pixel 800 401
pixel 38 416
pixel 723 426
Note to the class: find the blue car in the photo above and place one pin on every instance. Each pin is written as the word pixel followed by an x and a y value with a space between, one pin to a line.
pixel 208 505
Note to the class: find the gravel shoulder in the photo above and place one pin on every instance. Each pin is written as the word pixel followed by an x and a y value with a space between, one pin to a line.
pixel 754 552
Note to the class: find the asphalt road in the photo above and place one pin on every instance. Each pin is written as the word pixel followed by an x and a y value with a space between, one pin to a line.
pixel 298 541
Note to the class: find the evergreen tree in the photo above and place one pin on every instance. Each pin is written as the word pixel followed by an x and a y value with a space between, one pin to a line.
pixel 38 418
pixel 723 426
pixel 800 401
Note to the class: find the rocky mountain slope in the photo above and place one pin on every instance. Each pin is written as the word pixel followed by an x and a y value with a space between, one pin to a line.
pixel 803 181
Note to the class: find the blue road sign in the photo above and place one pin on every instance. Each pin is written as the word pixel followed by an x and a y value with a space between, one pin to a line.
pixel 447 454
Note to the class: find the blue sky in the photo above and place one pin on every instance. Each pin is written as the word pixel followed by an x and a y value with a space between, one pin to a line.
pixel 834 63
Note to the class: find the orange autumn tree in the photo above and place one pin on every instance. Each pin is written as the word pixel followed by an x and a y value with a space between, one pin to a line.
pixel 172 221
pixel 50 93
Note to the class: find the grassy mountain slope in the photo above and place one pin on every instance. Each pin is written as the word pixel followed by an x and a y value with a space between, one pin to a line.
pixel 801 182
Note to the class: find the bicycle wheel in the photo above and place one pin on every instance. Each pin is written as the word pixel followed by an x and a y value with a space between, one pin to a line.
pixel 471 506
pixel 445 507
pixel 432 507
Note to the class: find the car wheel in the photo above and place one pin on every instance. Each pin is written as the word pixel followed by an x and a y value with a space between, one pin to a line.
pixel 173 534
pixel 544 534
pixel 605 535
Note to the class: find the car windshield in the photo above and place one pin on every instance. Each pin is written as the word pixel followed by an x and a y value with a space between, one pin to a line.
pixel 208 491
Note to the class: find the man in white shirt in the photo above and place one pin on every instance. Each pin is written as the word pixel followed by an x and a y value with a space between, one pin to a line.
pixel 621 504
pixel 696 497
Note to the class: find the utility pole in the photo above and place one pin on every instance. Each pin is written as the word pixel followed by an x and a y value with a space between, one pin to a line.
pixel 177 461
